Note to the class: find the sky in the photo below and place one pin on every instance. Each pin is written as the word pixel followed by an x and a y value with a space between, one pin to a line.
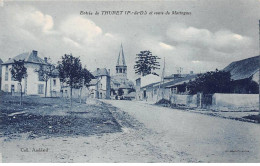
pixel 216 33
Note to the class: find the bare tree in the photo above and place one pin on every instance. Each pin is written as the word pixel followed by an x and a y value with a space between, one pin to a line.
pixel 85 79
pixel 19 71
pixel 45 73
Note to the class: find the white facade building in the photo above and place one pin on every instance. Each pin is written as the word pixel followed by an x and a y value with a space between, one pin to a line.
pixel 100 86
pixel 32 84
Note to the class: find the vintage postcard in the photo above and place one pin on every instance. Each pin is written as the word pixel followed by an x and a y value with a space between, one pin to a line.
pixel 129 81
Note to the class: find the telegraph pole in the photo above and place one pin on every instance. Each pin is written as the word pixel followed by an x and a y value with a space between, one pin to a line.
pixel 161 82
pixel 259 66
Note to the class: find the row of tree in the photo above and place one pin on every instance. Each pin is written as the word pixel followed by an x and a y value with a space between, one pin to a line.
pixel 71 73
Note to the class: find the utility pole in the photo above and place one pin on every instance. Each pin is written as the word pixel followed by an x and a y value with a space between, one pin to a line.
pixel 162 81
pixel 259 66
pixel 163 73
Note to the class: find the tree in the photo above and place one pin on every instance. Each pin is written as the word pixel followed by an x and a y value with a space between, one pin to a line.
pixel 146 63
pixel 112 91
pixel 19 71
pixel 211 82
pixel 45 73
pixel 70 69
pixel 120 92
pixel 85 79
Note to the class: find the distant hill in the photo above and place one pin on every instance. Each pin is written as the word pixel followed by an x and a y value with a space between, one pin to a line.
pixel 244 68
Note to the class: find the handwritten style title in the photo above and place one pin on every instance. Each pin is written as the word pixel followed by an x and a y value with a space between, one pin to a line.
pixel 137 13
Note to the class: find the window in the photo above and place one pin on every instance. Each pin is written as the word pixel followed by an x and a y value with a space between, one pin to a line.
pixel 19 88
pixel 6 73
pixel 6 87
pixel 12 78
pixel 40 88
pixel 54 82
pixel 12 89
pixel 120 70
pixel 40 76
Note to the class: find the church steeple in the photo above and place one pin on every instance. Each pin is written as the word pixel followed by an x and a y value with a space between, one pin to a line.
pixel 121 68
pixel 121 57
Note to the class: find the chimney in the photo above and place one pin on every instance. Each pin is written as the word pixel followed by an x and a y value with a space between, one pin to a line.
pixel 34 53
pixel 108 71
pixel 45 60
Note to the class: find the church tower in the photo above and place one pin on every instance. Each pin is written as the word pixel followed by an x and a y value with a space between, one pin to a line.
pixel 121 68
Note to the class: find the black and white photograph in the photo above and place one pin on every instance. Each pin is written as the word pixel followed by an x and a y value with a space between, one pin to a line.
pixel 127 81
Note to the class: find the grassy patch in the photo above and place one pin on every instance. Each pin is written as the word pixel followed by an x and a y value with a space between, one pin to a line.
pixel 253 117
pixel 52 117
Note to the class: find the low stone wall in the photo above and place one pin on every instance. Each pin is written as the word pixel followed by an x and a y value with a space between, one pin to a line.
pixel 235 102
pixel 220 101
pixel 187 100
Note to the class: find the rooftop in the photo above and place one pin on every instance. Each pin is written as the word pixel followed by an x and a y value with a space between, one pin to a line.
pixel 121 58
pixel 29 57
pixel 171 83
pixel 100 72
pixel 244 68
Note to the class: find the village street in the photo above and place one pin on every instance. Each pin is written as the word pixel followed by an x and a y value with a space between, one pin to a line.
pixel 195 136
pixel 148 133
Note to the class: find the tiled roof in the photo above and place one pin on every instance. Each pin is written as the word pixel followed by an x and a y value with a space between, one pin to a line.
pixel 55 72
pixel 100 72
pixel 125 86
pixel 30 57
pixel 173 82
pixel 244 68
pixel 179 80
pixel 113 79
pixel 93 82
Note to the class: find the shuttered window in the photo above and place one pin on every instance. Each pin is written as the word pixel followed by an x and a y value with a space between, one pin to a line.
pixel 6 73
pixel 40 88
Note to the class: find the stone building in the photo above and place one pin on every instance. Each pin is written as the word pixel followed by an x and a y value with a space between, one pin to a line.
pixel 100 86
pixel 33 84
pixel 119 80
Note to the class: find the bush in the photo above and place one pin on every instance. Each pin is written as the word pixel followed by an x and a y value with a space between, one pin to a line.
pixel 253 117
pixel 163 101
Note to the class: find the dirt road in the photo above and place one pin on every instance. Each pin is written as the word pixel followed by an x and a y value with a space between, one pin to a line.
pixel 199 137
pixel 148 134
